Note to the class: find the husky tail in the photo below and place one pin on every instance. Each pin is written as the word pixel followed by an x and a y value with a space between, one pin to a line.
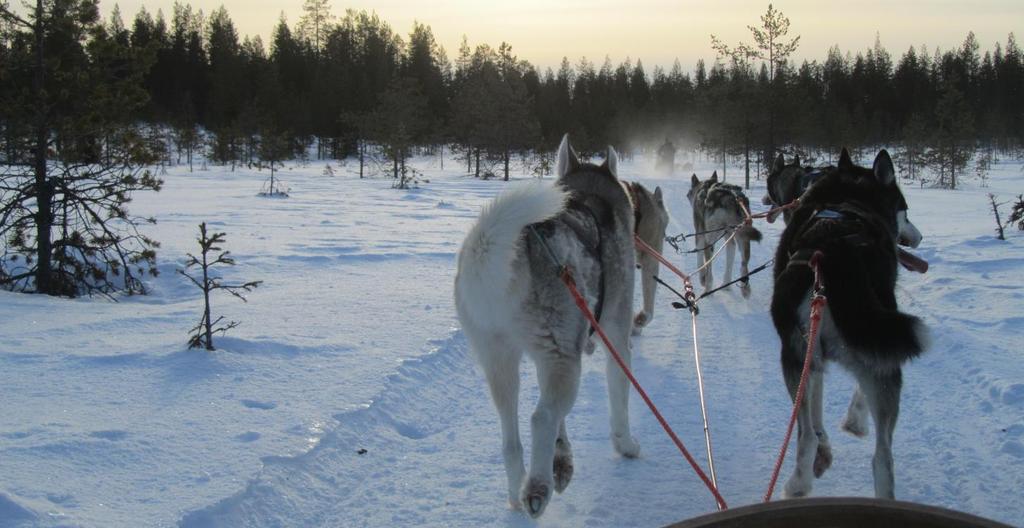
pixel 485 259
pixel 891 337
pixel 750 233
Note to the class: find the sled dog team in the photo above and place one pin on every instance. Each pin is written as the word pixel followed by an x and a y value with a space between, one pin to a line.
pixel 511 301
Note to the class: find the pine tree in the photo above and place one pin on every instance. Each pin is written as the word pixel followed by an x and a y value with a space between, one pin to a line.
pixel 1017 213
pixel 64 226
pixel 953 133
pixel 315 24
pixel 400 117
pixel 770 45
pixel 424 64
pixel 227 91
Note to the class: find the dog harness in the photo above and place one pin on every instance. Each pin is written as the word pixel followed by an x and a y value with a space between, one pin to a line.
pixel 843 224
pixel 810 178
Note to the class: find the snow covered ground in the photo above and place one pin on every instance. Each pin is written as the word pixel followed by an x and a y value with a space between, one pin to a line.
pixel 348 396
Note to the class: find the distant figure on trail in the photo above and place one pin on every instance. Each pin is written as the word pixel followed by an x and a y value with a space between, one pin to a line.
pixel 666 158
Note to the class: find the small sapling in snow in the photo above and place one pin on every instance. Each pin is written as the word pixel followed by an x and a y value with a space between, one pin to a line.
pixel 211 255
pixel 995 211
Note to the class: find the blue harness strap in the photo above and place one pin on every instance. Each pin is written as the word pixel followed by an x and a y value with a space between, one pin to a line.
pixel 829 214
pixel 809 178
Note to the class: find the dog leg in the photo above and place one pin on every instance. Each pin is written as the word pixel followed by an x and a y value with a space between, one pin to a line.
pixel 706 279
pixel 501 367
pixel 558 376
pixel 648 270
pixel 744 266
pixel 730 258
pixel 800 483
pixel 563 460
pixel 882 391
pixel 823 460
pixel 618 396
pixel 855 421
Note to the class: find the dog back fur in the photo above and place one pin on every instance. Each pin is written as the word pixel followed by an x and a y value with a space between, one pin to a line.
pixel 494 242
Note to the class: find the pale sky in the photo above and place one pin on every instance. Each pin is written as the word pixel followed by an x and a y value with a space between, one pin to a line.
pixel 654 31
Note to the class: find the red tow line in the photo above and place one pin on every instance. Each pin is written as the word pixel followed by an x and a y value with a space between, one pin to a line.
pixel 817 303
pixel 566 276
pixel 791 205
pixel 646 248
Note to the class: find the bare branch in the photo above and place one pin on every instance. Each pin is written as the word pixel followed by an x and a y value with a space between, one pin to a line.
pixel 10 17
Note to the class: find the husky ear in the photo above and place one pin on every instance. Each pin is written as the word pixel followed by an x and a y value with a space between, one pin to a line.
pixel 780 163
pixel 844 159
pixel 694 181
pixel 657 194
pixel 566 158
pixel 611 162
pixel 883 169
pixel 714 177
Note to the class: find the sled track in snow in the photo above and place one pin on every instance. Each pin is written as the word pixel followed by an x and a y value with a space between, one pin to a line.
pixel 374 441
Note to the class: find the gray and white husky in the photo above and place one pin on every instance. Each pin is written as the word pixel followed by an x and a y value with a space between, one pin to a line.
pixel 510 301
pixel 651 220
pixel 718 209
pixel 855 217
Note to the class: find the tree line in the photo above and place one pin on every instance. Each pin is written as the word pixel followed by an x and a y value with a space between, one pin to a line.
pixel 334 83
pixel 88 105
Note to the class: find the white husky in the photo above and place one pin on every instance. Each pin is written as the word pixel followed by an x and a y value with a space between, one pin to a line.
pixel 510 300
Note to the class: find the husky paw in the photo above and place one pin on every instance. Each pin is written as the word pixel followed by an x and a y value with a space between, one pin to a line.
pixel 536 496
pixel 562 468
pixel 626 446
pixel 823 460
pixel 854 425
pixel 745 290
pixel 796 487
pixel 589 347
pixel 562 472
pixel 639 322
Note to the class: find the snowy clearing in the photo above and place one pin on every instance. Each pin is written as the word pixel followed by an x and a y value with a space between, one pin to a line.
pixel 348 396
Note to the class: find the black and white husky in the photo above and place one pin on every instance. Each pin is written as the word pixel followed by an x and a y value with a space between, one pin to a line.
pixel 510 301
pixel 855 217
pixel 719 209
pixel 651 220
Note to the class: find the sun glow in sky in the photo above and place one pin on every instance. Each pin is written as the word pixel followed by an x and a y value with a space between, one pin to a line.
pixel 654 31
